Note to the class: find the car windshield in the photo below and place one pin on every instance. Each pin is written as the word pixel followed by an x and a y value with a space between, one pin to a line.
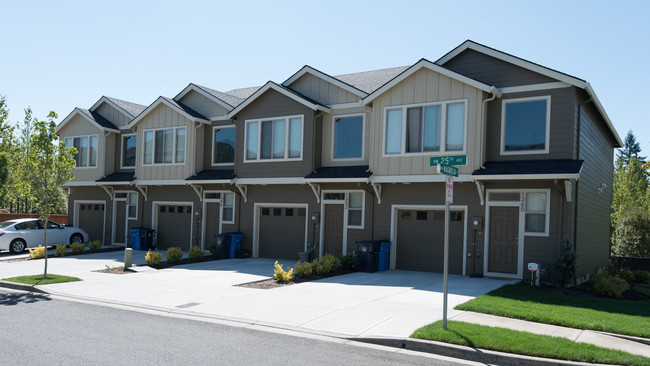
pixel 5 224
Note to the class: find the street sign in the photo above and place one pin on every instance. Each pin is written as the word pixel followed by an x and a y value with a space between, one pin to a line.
pixel 449 191
pixel 448 160
pixel 448 170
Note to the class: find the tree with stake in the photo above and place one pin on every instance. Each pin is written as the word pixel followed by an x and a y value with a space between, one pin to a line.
pixel 51 165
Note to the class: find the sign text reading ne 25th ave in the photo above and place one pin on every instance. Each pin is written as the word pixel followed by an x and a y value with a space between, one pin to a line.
pixel 448 160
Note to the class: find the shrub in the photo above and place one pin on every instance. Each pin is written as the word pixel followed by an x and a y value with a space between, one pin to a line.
pixel 326 264
pixel 59 251
pixel 348 261
pixel 37 253
pixel 78 247
pixel 174 254
pixel 642 276
pixel 195 253
pixel 94 245
pixel 281 275
pixel 564 269
pixel 304 269
pixel 212 248
pixel 153 258
pixel 632 233
pixel 626 274
pixel 608 285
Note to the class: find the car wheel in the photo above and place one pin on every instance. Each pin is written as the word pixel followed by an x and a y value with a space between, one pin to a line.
pixel 76 238
pixel 17 246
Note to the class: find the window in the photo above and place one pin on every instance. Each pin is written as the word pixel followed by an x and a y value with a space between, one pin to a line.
pixel 128 151
pixel 164 146
pixel 223 149
pixel 355 209
pixel 86 150
pixel 525 125
pixel 132 206
pixel 425 129
pixel 274 139
pixel 536 213
pixel 348 137
pixel 228 208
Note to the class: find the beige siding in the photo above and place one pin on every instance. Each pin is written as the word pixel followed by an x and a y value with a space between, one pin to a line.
pixel 328 137
pixel 79 126
pixel 322 91
pixel 203 105
pixel 165 117
pixel 113 115
pixel 421 87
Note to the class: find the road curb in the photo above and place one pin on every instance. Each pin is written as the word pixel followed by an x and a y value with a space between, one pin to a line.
pixel 21 287
pixel 466 353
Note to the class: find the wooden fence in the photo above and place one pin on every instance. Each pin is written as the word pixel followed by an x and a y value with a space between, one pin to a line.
pixel 61 219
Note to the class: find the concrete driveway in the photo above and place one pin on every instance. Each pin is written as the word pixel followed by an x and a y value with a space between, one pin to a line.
pixel 391 303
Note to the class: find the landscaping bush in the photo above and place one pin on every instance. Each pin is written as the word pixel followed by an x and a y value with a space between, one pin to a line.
pixel 608 285
pixel 564 269
pixel 78 247
pixel 642 276
pixel 212 248
pixel 281 275
pixel 304 269
pixel 626 274
pixel 325 265
pixel 174 254
pixel 348 261
pixel 59 251
pixel 153 258
pixel 195 253
pixel 94 245
pixel 37 253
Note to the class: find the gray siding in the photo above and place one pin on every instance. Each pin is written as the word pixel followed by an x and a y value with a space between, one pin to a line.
pixel 79 126
pixel 492 71
pixel 116 117
pixel 561 129
pixel 328 139
pixel 203 105
pixel 322 91
pixel 118 151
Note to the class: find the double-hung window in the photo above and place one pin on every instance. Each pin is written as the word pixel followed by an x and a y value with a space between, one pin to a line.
pixel 228 208
pixel 164 146
pixel 425 128
pixel 274 139
pixel 86 150
pixel 128 150
pixel 355 209
pixel 525 125
pixel 536 211
pixel 348 137
pixel 223 145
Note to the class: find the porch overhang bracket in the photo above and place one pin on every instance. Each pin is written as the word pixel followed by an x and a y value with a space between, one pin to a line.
pixel 243 189
pixel 199 191
pixel 568 190
pixel 377 188
pixel 143 190
pixel 109 190
pixel 316 189
pixel 480 187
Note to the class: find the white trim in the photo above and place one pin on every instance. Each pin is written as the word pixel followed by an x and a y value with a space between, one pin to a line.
pixel 174 146
pixel 75 209
pixel 547 217
pixel 321 75
pixel 77 183
pixel 214 145
pixel 394 208
pixel 77 111
pixel 219 119
pixel 601 109
pixel 433 67
pixel 122 150
pixel 256 221
pixel 105 99
pixel 208 181
pixel 198 89
pixel 346 208
pixel 269 181
pixel 504 103
pixel 346 105
pixel 281 90
pixel 162 100
pixel 287 136
pixel 154 216
pixel 363 136
pixel 337 180
pixel 443 128
pixel 525 176
pixel 88 166
pixel 424 178
pixel 161 182
pixel 219 201
pixel 534 87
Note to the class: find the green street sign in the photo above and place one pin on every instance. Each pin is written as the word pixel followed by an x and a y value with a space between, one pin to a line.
pixel 448 160
pixel 448 170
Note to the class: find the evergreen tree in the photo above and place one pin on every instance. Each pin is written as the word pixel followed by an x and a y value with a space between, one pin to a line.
pixel 631 149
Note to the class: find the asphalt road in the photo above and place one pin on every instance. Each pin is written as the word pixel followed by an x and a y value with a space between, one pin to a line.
pixel 39 330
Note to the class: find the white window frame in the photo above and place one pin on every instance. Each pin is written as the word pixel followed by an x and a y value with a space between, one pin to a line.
pixel 546 213
pixel 363 136
pixel 88 157
pixel 220 201
pixel 174 143
pixel 122 150
pixel 214 145
pixel 443 128
pixel 286 139
pixel 504 103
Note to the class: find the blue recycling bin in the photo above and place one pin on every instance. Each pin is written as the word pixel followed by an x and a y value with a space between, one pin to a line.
pixel 384 256
pixel 136 242
pixel 235 243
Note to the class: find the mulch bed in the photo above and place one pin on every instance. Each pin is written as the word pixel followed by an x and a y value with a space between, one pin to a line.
pixel 67 254
pixel 273 283
pixel 163 265
pixel 116 270
pixel 583 291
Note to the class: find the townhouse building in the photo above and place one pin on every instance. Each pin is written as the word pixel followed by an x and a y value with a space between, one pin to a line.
pixel 337 159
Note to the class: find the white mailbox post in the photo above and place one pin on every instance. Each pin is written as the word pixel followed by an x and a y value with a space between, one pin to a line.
pixel 534 269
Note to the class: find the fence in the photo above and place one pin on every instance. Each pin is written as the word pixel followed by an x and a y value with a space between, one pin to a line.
pixel 61 219
pixel 631 263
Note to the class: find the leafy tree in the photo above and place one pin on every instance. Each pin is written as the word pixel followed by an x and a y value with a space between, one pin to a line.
pixel 631 149
pixel 50 165
pixel 6 149
pixel 630 189
pixel 632 233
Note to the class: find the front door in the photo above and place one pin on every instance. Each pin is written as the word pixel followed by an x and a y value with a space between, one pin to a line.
pixel 333 230
pixel 212 228
pixel 504 239
pixel 120 222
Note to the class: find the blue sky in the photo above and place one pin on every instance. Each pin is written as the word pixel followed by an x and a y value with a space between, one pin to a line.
pixel 63 54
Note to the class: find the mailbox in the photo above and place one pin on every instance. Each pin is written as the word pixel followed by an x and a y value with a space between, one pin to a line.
pixel 533 267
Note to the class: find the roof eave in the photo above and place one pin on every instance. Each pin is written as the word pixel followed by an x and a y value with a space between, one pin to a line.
pixel 198 89
pixel 110 102
pixel 281 90
pixel 319 74
pixel 480 177
pixel 601 109
pixel 78 111
pixel 157 102
pixel 337 180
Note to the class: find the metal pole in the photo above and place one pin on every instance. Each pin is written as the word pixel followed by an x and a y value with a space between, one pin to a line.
pixel 445 270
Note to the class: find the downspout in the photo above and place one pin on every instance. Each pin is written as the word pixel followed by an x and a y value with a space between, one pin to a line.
pixel 483 143
pixel 577 150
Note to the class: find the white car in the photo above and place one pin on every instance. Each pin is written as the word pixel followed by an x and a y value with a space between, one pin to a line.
pixel 17 235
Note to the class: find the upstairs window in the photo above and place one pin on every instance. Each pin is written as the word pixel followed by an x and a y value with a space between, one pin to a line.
pixel 274 139
pixel 348 137
pixel 425 129
pixel 86 146
pixel 128 151
pixel 525 124
pixel 223 146
pixel 164 146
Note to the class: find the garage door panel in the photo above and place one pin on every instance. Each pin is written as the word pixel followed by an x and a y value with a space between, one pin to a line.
pixel 282 232
pixel 91 220
pixel 174 226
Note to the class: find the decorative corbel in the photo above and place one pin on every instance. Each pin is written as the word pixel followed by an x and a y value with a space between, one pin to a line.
pixel 568 190
pixel 243 189
pixel 143 190
pixel 480 187
pixel 316 189
pixel 377 188
pixel 109 190
pixel 199 191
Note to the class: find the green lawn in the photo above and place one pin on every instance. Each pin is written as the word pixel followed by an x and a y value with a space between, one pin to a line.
pixel 520 302
pixel 38 279
pixel 512 341
pixel 643 288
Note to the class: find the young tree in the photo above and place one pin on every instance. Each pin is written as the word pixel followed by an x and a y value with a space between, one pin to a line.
pixel 631 149
pixel 50 164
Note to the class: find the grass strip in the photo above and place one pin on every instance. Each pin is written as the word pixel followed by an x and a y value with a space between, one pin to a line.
pixel 38 279
pixel 515 301
pixel 643 288
pixel 523 343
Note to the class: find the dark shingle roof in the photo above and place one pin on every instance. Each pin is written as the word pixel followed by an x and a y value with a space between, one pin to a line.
pixel 230 99
pixel 369 81
pixel 531 167
pixel 212 175
pixel 333 172
pixel 132 108
pixel 98 119
pixel 243 93
pixel 117 177
pixel 185 108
